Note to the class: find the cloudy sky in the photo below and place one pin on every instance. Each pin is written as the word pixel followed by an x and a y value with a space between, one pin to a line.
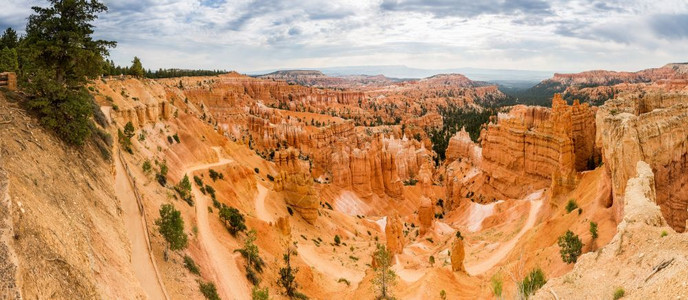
pixel 248 35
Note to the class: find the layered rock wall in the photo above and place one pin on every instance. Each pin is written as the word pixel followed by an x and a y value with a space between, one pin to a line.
pixel 650 128
pixel 531 148
pixel 296 183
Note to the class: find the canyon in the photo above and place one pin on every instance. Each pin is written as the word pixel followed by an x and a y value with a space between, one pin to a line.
pixel 330 167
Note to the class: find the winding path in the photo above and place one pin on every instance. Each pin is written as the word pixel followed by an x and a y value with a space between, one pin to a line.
pixel 141 259
pixel 231 284
pixel 499 255
pixel 261 211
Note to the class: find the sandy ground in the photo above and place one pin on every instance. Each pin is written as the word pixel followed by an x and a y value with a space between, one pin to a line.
pixel 261 211
pixel 535 200
pixel 140 257
pixel 231 284
pixel 330 268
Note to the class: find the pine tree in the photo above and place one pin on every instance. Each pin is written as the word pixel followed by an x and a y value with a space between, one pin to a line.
pixel 384 275
pixel 136 69
pixel 287 278
pixel 9 39
pixel 8 60
pixel 171 226
pixel 59 57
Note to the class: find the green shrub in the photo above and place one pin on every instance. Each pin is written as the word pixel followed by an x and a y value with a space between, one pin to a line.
pixel 533 281
pixel 191 265
pixel 570 247
pixel 344 280
pixel 208 290
pixel 184 190
pixel 232 219
pixel 443 294
pixel 210 190
pixel 337 240
pixel 593 230
pixel 571 205
pixel 171 227
pixel 256 170
pixel 254 263
pixel 664 233
pixel 146 166
pixel 270 177
pixel 214 175
pixel 497 285
pixel 161 176
pixel 619 293
pixel 198 180
pixel 170 139
pixel 431 260
pixel 260 294
pixel 176 137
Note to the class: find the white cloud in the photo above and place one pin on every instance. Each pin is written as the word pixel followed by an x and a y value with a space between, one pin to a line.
pixel 249 35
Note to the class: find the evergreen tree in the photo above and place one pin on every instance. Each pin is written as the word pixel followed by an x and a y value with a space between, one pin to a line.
pixel 136 69
pixel 570 247
pixel 171 226
pixel 9 39
pixel 8 60
pixel 59 57
pixel 287 279
pixel 254 263
pixel 384 275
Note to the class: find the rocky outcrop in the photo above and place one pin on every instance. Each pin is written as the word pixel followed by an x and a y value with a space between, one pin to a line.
pixel 457 255
pixel 461 146
pixel 283 226
pixel 652 128
pixel 296 183
pixel 640 198
pixel 394 234
pixel 531 148
pixel 426 215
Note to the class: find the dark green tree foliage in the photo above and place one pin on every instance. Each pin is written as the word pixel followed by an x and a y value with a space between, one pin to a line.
pixel 455 118
pixel 161 176
pixel 184 189
pixel 191 265
pixel 570 247
pixel 232 218
pixel 571 205
pixel 136 69
pixel 59 57
pixel 9 62
pixel 287 278
pixel 125 137
pixel 171 227
pixel 385 277
pixel 533 281
pixel 254 263
pixel 110 69
pixel 9 39
pixel 593 230
pixel 208 290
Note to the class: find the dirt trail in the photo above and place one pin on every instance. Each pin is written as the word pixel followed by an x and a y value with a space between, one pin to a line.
pixel 140 257
pixel 504 249
pixel 231 284
pixel 261 211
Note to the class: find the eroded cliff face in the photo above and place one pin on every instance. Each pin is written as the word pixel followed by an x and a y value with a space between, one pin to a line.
pixel 296 183
pixel 531 148
pixel 643 238
pixel 648 127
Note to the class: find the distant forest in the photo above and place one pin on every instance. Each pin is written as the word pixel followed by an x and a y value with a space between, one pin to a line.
pixel 110 69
